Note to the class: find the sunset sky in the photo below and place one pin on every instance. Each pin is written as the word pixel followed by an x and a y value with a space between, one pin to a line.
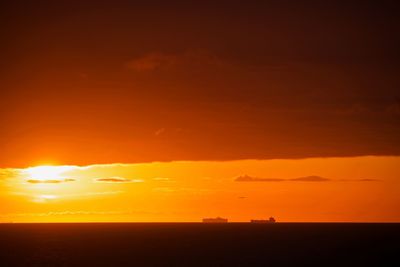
pixel 171 111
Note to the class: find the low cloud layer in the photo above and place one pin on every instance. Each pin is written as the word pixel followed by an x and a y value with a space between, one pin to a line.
pixel 311 178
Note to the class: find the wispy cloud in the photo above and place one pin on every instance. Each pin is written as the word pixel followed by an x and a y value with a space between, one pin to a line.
pixel 50 181
pixel 311 178
pixel 152 61
pixel 247 178
pixel 117 180
pixel 368 180
pixel 360 180
pixel 159 131
pixel 157 60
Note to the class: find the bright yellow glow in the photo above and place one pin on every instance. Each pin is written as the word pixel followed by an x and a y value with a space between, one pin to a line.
pixel 43 173
pixel 46 184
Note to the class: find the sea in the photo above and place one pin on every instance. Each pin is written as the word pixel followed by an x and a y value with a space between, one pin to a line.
pixel 200 244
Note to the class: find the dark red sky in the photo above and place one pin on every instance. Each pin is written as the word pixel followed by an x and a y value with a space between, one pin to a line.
pixel 120 81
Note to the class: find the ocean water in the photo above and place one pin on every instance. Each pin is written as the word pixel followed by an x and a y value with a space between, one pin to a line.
pixel 197 244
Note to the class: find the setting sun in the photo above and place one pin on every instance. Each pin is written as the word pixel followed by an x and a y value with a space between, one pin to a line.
pixel 43 173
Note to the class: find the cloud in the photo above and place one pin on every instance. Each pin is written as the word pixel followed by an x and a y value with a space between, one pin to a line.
pixel 311 178
pixel 159 131
pixel 247 178
pixel 152 61
pixel 157 60
pixel 360 180
pixel 368 180
pixel 52 181
pixel 117 180
pixel 250 96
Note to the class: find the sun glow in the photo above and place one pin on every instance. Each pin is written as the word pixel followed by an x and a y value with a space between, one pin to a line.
pixel 46 183
pixel 47 172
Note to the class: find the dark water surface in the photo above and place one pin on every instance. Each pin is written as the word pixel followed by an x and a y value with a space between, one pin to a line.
pixel 196 244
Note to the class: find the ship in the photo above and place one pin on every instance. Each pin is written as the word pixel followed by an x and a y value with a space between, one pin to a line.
pixel 270 220
pixel 215 220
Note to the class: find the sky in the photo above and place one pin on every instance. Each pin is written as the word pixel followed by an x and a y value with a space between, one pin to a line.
pixel 223 88
pixel 358 189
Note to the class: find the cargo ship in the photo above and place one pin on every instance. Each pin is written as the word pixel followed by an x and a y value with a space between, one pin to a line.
pixel 215 220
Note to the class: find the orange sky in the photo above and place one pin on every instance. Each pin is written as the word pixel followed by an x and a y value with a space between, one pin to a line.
pixel 351 189
pixel 300 102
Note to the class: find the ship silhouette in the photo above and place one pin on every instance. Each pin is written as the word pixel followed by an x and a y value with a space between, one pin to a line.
pixel 215 220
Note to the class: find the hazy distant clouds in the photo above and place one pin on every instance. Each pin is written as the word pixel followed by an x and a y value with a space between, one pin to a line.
pixel 311 178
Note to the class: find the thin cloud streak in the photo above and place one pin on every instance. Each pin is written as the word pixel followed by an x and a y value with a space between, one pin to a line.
pixel 50 181
pixel 311 178
pixel 117 180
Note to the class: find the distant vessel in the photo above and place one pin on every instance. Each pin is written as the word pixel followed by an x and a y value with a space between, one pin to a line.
pixel 270 220
pixel 215 220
